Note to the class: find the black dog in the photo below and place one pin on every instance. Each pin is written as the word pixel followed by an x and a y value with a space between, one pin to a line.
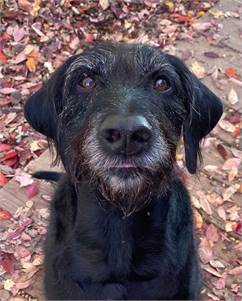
pixel 121 221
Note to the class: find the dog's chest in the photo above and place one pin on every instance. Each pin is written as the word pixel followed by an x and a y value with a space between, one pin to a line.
pixel 118 244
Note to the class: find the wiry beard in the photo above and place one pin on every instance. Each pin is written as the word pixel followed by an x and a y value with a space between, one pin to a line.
pixel 129 193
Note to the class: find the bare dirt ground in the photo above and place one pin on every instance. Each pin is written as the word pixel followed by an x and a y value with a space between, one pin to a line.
pixel 35 38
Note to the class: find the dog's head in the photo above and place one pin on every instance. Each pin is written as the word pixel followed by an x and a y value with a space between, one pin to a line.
pixel 116 112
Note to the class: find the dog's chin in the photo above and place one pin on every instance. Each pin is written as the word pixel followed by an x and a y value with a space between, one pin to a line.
pixel 126 188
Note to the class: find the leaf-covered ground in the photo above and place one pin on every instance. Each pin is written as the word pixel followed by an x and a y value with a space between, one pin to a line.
pixel 37 36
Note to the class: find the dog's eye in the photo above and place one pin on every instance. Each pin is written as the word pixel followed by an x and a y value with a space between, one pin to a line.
pixel 162 85
pixel 87 83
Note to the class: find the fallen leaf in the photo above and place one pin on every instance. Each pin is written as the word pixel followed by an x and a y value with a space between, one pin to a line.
pixel 211 54
pixel 212 234
pixel 7 91
pixel 25 5
pixel 204 202
pixel 237 228
pixel 6 261
pixel 236 132
pixel 5 147
pixel 205 250
pixel 230 72
pixel 5 215
pixel 232 174
pixel 21 252
pixel 31 64
pixel 104 4
pixel 233 96
pixel 198 219
pixel 216 264
pixel 201 26
pixel 198 70
pixel 229 226
pixel 236 271
pixel 32 190
pixel 230 163
pixel 3 58
pixel 226 125
pixel 230 191
pixel 212 271
pixel 24 224
pixel 220 283
pixel 221 213
pixel 8 284
pixel 24 179
pixel 222 151
pixel 211 168
pixel 3 181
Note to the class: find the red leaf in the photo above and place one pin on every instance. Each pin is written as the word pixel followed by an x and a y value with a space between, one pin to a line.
pixel 182 18
pixel 3 58
pixel 237 228
pixel 236 133
pixel 11 162
pixel 6 260
pixel 4 101
pixel 10 155
pixel 89 37
pixel 231 73
pixel 4 147
pixel 32 190
pixel 5 215
pixel 3 180
pixel 222 151
pixel 15 234
pixel 235 118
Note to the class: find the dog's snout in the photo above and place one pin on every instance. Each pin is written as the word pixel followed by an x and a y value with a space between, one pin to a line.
pixel 125 135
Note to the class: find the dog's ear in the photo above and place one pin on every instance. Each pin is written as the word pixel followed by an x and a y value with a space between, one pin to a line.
pixel 41 108
pixel 204 111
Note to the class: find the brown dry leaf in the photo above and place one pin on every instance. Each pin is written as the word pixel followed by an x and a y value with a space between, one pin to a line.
pixel 198 70
pixel 229 226
pixel 198 219
pixel 25 5
pixel 216 264
pixel 31 64
pixel 230 191
pixel 104 4
pixel 230 163
pixel 227 126
pixel 212 234
pixel 204 204
pixel 232 174
pixel 233 96
pixel 221 212
pixel 212 271
pixel 236 271
pixel 35 8
pixel 220 283
pixel 205 250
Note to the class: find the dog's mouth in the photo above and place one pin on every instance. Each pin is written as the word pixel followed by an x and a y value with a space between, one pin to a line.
pixel 125 171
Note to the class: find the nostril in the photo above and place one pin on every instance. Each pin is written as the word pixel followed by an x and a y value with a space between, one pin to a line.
pixel 112 135
pixel 141 135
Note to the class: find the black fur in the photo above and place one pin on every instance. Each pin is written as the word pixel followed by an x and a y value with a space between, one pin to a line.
pixel 121 232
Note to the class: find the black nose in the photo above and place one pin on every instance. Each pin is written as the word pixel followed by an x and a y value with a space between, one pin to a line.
pixel 125 135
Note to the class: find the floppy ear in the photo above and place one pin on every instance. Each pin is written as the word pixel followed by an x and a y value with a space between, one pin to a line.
pixel 41 108
pixel 204 111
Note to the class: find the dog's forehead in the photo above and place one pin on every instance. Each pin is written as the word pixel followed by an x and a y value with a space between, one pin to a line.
pixel 107 57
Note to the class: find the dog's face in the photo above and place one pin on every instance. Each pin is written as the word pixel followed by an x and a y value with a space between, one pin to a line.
pixel 115 113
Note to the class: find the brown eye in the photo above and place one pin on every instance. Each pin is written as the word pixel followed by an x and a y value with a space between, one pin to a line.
pixel 88 83
pixel 162 85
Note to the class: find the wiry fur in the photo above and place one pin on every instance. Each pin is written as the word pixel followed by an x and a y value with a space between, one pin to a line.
pixel 121 232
